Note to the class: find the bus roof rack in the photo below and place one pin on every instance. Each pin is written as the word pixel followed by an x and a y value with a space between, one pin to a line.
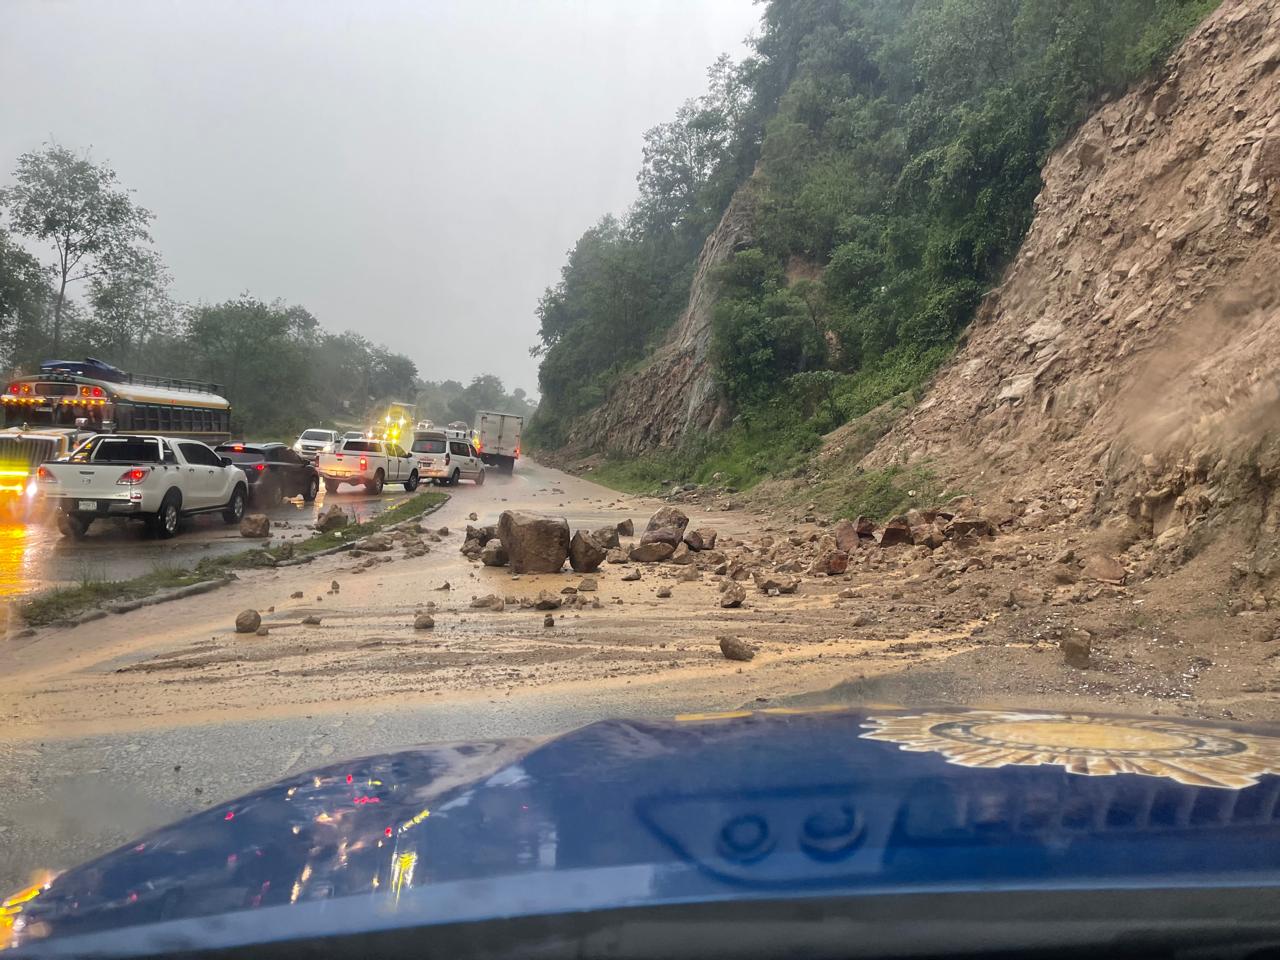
pixel 101 370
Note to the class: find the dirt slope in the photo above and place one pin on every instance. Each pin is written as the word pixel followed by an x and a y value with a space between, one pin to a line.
pixel 1128 361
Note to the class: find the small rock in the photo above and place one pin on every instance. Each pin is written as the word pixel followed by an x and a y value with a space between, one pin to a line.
pixel 1076 649
pixel 689 574
pixel 586 585
pixel 472 516
pixel 831 564
pixel 549 621
pixel 734 649
pixel 311 620
pixel 547 601
pixel 255 525
pixel 296 595
pixel 652 552
pixel 733 595
pixel 334 586
pixel 262 631
pixel 493 555
pixel 781 582
pixel 332 517
pixel 424 621
pixel 248 621
pixel 490 601
pixel 631 576
pixel 896 531
pixel 1105 569
pixel 617 555
pixel 663 593
pixel 626 528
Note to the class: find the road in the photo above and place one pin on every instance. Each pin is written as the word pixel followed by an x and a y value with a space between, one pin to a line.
pixel 34 556
pixel 100 741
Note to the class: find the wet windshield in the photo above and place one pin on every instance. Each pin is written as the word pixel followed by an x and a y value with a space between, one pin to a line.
pixel 428 446
pixel 317 435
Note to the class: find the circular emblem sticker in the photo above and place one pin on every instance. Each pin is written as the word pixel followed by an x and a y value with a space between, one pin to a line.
pixel 1090 746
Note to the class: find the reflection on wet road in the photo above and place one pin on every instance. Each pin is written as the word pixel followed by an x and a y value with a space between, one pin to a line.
pixel 34 556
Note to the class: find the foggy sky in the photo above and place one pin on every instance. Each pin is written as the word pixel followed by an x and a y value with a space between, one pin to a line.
pixel 411 170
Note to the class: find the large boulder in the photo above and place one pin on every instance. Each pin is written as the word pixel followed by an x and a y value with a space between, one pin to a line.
pixel 665 526
pixel 626 528
pixel 608 536
pixel 586 552
pixel 534 543
pixel 831 563
pixel 332 517
pixel 782 582
pixel 256 525
pixel 651 552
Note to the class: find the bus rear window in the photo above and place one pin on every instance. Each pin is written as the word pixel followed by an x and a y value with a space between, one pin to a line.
pixel 428 446
pixel 361 446
pixel 124 450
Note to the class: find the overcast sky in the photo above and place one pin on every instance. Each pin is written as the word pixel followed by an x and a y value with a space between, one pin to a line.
pixel 411 170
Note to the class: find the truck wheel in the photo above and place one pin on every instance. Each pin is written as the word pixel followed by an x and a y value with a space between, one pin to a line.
pixel 374 486
pixel 312 489
pixel 453 477
pixel 235 506
pixel 165 523
pixel 480 478
pixel 71 526
pixel 412 483
pixel 331 486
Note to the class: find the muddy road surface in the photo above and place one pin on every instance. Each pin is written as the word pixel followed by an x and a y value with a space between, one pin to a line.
pixel 122 724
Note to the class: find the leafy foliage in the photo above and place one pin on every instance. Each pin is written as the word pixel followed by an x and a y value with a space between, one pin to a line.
pixel 899 148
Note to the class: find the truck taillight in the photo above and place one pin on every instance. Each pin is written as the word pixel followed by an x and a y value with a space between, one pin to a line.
pixel 43 474
pixel 134 475
pixel 446 459
pixel 259 466
pixel 364 462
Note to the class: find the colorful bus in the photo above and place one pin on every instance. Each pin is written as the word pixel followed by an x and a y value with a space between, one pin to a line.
pixel 95 396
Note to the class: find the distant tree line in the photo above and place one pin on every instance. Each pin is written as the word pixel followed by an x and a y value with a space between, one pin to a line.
pixel 896 149
pixel 282 371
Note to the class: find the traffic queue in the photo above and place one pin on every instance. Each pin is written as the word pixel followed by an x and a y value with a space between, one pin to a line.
pixel 84 441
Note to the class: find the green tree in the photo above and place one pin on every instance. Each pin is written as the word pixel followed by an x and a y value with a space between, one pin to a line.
pixel 68 201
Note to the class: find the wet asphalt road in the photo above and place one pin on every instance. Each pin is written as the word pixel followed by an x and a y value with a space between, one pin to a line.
pixel 34 556
pixel 66 800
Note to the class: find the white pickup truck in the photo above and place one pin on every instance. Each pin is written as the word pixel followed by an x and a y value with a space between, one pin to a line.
pixel 158 480
pixel 368 463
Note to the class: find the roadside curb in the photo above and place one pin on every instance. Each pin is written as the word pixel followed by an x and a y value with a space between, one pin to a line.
pixel 177 593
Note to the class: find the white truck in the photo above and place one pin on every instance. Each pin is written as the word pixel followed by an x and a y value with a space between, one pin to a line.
pixel 368 463
pixel 498 438
pixel 158 480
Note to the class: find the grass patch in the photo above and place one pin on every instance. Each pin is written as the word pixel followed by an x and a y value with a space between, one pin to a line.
pixel 65 602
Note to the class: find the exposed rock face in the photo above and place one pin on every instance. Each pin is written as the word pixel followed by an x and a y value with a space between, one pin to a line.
pixel 534 544
pixel 675 391
pixel 493 554
pixel 1129 353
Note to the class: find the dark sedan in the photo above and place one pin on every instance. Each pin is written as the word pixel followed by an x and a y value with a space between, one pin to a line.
pixel 273 471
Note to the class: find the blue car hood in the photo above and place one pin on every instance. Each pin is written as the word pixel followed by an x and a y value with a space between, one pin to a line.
pixel 707 808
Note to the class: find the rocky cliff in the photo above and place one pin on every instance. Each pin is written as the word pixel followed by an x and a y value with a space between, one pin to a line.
pixel 1129 362
pixel 674 393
